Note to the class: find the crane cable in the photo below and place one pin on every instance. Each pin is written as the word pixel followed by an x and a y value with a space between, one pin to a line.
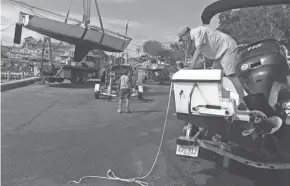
pixel 68 11
pixel 7 27
pixel 23 5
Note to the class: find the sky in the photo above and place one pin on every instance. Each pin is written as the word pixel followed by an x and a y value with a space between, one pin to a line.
pixel 148 19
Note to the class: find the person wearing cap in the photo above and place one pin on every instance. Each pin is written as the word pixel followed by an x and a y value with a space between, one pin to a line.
pixel 217 46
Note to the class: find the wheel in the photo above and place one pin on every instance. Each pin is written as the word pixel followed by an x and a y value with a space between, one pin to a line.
pixel 51 79
pixel 97 95
pixel 140 96
pixel 74 78
pixel 110 97
pixel 59 80
pixel 83 78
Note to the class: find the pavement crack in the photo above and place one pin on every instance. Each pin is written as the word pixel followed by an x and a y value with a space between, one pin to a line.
pixel 41 112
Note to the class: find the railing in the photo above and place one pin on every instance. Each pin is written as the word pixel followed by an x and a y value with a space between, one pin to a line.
pixel 11 76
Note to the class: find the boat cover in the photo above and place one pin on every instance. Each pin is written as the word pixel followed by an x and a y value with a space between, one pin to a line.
pixel 225 5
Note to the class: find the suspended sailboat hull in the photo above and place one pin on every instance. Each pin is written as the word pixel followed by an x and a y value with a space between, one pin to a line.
pixel 86 38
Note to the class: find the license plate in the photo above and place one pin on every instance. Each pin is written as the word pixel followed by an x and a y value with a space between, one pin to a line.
pixel 191 151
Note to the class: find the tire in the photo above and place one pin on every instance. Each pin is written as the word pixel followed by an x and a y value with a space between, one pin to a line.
pixel 51 79
pixel 75 78
pixel 59 80
pixel 79 78
pixel 84 78
pixel 110 98
pixel 97 95
pixel 140 96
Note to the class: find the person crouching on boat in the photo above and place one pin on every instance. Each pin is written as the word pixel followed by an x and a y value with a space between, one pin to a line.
pixel 218 46
pixel 125 83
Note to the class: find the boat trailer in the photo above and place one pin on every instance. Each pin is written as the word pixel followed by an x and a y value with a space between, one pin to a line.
pixel 193 144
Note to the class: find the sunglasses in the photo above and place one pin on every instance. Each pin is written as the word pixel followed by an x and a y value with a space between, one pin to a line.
pixel 184 37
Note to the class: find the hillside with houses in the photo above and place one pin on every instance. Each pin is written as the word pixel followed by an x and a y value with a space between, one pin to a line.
pixel 32 49
pixel 27 57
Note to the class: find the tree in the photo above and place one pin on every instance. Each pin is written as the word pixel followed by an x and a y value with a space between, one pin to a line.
pixel 153 48
pixel 178 50
pixel 165 53
pixel 249 25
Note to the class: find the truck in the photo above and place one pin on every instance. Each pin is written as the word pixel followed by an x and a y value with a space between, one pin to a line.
pixel 91 66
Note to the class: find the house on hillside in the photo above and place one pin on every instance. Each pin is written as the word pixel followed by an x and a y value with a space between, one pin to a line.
pixel 4 51
pixel 32 43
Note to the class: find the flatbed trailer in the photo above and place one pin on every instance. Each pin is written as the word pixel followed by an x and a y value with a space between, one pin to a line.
pixel 76 74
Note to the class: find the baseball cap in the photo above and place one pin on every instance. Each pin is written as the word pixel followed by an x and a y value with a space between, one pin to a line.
pixel 182 31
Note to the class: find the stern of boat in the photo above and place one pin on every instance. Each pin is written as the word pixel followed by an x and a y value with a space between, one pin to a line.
pixel 208 109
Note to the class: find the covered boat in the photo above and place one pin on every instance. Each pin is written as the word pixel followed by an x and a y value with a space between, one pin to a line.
pixel 223 5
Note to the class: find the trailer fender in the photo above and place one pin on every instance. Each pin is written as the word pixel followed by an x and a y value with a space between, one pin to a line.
pixel 140 89
pixel 97 87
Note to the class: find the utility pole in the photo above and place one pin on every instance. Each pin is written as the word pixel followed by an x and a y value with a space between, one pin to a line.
pixel 138 51
pixel 42 55
pixel 126 33
pixel 127 56
pixel 50 55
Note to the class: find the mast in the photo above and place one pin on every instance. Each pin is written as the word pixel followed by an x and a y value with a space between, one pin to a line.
pixel 89 11
pixel 86 11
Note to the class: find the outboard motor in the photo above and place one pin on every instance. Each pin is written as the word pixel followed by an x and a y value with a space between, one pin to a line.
pixel 261 66
pixel 262 70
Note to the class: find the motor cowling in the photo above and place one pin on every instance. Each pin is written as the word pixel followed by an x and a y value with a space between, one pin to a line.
pixel 260 65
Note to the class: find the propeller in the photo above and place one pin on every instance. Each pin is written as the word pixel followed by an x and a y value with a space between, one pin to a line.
pixel 260 123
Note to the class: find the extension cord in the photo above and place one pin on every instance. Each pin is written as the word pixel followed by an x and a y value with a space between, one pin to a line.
pixel 111 175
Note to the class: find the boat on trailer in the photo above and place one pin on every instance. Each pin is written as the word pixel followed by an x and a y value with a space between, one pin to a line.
pixel 258 137
pixel 84 36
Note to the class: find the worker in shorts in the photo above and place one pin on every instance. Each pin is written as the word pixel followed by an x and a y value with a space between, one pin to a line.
pixel 218 46
pixel 125 84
